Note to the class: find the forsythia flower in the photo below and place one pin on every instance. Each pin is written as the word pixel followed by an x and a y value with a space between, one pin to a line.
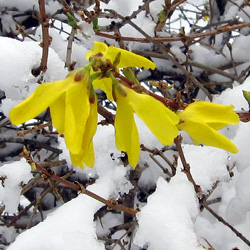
pixel 73 107
pixel 159 119
pixel 73 103
pixel 127 59
pixel 201 120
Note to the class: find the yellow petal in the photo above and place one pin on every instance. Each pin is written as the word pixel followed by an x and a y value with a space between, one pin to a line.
pixel 210 113
pixel 128 59
pixel 159 119
pixel 38 101
pixel 99 47
pixel 126 136
pixel 76 115
pixel 77 160
pixel 104 84
pixel 89 156
pixel 57 110
pixel 86 155
pixel 202 133
pixel 87 146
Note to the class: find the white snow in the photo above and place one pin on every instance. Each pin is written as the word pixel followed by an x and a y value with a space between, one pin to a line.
pixel 171 218
pixel 172 209
pixel 13 176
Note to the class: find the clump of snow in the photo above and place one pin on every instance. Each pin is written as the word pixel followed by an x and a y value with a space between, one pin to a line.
pixel 207 165
pixel 23 57
pixel 239 207
pixel 242 157
pixel 234 96
pixel 13 175
pixel 240 49
pixel 166 222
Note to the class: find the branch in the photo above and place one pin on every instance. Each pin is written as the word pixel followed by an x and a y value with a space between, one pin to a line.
pixel 219 218
pixel 69 49
pixel 34 143
pixel 186 166
pixel 177 38
pixel 164 51
pixel 46 39
pixel 194 64
pixel 80 188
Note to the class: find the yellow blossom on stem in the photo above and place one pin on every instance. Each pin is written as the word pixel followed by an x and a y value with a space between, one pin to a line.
pixel 201 120
pixel 127 58
pixel 72 104
pixel 158 118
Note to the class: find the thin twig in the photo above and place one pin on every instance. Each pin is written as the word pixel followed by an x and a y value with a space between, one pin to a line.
pixel 165 170
pixel 219 218
pixel 164 51
pixel 186 166
pixel 194 64
pixel 46 39
pixel 80 188
pixel 69 49
pixel 177 38
pixel 34 143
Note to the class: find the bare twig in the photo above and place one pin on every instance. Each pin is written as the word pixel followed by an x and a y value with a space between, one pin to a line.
pixel 69 49
pixel 210 69
pixel 80 188
pixel 219 218
pixel 46 39
pixel 166 53
pixel 176 38
pixel 31 142
pixel 186 166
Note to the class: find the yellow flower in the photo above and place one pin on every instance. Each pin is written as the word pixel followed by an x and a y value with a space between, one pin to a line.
pixel 73 109
pixel 127 59
pixel 159 119
pixel 201 120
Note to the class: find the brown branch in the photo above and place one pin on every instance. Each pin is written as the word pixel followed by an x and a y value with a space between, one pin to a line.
pixel 165 170
pixel 219 218
pixel 186 166
pixel 106 114
pixel 76 186
pixel 166 53
pixel 177 38
pixel 34 143
pixel 210 69
pixel 46 39
pixel 69 49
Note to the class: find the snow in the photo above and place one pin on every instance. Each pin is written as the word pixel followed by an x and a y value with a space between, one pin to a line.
pixel 208 165
pixel 13 175
pixel 72 221
pixel 172 209
pixel 171 218
pixel 17 81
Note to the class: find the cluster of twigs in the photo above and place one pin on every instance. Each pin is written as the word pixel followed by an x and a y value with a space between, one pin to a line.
pixel 53 176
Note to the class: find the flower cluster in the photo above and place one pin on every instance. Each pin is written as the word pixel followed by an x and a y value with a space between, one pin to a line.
pixel 73 107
